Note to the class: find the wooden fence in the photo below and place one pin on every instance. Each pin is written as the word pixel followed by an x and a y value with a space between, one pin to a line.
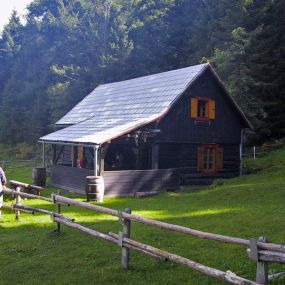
pixel 257 151
pixel 260 251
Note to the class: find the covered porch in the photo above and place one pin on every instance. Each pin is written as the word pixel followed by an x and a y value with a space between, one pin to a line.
pixel 128 165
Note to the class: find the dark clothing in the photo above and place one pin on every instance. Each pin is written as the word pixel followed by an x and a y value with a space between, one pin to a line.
pixel 2 177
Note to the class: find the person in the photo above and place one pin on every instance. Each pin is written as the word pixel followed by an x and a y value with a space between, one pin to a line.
pixel 3 182
pixel 81 163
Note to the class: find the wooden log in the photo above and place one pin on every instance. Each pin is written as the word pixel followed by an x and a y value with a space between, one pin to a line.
pixel 18 202
pixel 13 208
pixel 270 256
pixel 164 259
pixel 85 230
pixel 171 227
pixel 43 211
pixel 17 208
pixel 225 276
pixel 25 185
pixel 146 194
pixel 276 276
pixel 102 236
pixel 26 195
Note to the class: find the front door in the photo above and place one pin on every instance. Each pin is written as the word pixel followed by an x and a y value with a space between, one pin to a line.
pixel 210 159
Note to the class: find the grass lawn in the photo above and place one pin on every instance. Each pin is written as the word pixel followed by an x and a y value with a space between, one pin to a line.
pixel 246 207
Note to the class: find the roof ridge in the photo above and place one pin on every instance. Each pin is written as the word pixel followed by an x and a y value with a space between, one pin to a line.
pixel 153 74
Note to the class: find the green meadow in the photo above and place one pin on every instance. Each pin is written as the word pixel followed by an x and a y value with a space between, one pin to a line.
pixel 248 207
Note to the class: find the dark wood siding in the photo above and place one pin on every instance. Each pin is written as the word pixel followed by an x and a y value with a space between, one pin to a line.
pixel 66 156
pixel 184 156
pixel 178 126
pixel 117 183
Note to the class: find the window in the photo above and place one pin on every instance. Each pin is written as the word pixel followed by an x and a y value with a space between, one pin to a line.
pixel 210 158
pixel 203 109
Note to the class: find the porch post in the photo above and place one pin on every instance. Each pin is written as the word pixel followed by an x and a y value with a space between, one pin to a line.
pixel 155 156
pixel 240 152
pixel 44 155
pixel 53 154
pixel 96 147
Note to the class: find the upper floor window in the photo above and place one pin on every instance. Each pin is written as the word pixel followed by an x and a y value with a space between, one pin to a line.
pixel 203 109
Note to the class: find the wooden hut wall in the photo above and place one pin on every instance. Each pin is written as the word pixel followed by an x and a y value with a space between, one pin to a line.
pixel 117 183
pixel 184 156
pixel 66 156
pixel 178 126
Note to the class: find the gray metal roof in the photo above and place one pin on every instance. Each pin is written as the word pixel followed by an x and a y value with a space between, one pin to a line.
pixel 139 97
pixel 117 108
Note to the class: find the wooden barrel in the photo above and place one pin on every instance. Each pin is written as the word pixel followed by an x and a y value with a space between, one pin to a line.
pixel 39 176
pixel 95 188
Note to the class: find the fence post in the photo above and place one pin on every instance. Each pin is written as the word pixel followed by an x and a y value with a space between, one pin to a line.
pixel 18 202
pixel 58 211
pixel 126 233
pixel 262 268
pixel 254 152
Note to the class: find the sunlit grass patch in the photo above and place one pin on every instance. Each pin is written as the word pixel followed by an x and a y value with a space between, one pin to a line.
pixel 246 207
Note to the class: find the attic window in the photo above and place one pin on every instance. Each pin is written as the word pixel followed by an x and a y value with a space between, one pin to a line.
pixel 203 109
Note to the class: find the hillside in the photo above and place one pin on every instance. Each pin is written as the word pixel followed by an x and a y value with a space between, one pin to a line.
pixel 247 207
pixel 65 49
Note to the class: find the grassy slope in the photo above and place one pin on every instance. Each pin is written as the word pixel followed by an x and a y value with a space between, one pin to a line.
pixel 246 207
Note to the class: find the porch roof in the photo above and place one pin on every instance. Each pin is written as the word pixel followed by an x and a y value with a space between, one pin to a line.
pixel 94 131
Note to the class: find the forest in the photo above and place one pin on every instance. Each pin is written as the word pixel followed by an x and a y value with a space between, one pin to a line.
pixel 65 48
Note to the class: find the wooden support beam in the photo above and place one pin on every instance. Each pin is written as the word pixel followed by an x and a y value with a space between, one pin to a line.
pixel 155 156
pixel 102 165
pixel 58 155
pixel 104 149
pixel 44 155
pixel 53 147
pixel 96 172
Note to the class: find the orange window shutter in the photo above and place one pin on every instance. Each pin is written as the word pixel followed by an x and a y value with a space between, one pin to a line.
pixel 219 158
pixel 80 152
pixel 194 108
pixel 212 109
pixel 200 158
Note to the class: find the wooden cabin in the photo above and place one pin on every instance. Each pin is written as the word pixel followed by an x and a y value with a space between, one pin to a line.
pixel 150 133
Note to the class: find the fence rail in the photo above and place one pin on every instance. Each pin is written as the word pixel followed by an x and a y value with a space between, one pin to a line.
pixel 261 150
pixel 259 251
